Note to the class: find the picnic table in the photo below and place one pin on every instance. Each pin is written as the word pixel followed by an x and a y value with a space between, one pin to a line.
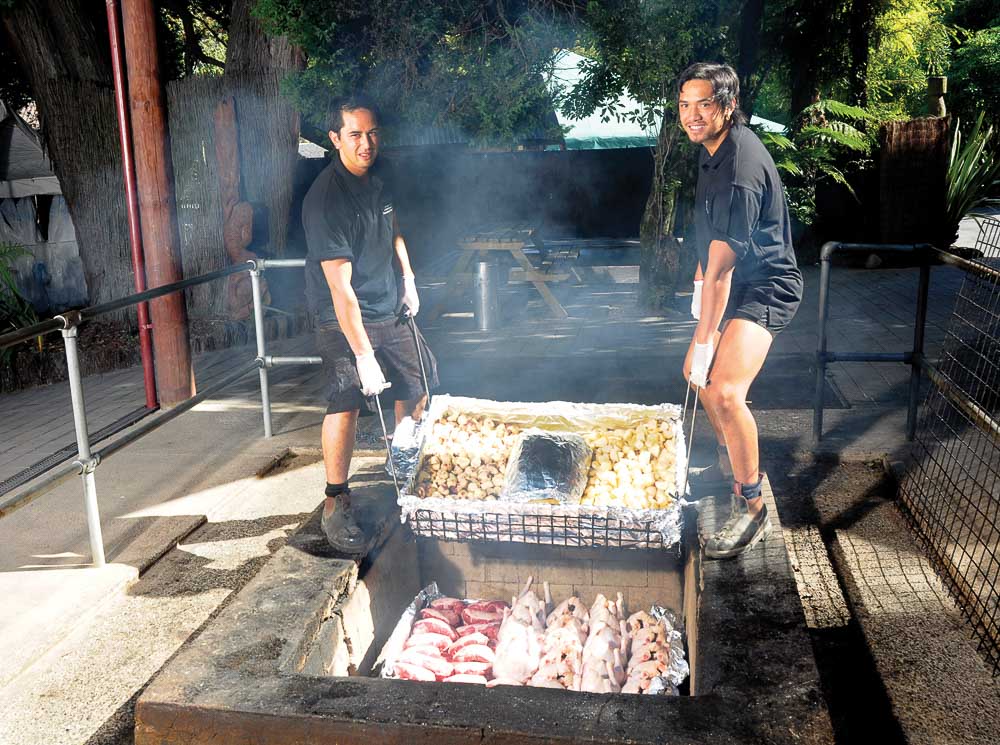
pixel 512 240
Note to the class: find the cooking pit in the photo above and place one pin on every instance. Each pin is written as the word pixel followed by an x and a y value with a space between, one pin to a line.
pixel 295 657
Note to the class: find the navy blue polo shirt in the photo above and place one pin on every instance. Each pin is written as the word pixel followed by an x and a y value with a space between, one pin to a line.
pixel 740 200
pixel 347 217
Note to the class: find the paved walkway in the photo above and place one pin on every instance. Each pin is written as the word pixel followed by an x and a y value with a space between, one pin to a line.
pixel 205 463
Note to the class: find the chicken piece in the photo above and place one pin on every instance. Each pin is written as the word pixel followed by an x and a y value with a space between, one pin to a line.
pixel 640 620
pixel 571 607
pixel 598 679
pixel 650 651
pixel 650 635
pixel 569 625
pixel 519 641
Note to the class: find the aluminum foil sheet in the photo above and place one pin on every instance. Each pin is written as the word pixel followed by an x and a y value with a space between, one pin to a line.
pixel 634 525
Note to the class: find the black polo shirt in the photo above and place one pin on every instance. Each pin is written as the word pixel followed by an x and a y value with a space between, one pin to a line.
pixel 740 200
pixel 346 217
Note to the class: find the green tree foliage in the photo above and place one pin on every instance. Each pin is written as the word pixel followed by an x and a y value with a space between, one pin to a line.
pixel 479 64
pixel 827 135
pixel 974 76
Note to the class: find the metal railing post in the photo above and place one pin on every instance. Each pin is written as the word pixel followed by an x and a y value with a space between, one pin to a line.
pixel 86 461
pixel 919 325
pixel 258 322
pixel 824 312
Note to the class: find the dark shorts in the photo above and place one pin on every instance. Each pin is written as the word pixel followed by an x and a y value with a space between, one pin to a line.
pixel 395 352
pixel 761 306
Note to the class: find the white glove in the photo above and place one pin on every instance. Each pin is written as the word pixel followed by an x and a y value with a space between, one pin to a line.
pixel 372 380
pixel 410 298
pixel 701 358
pixel 696 300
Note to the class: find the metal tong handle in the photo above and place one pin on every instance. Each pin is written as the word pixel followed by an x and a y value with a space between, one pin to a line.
pixel 694 414
pixel 388 448
pixel 407 318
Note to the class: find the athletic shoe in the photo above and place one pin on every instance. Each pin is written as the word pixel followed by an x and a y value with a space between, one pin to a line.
pixel 740 533
pixel 341 529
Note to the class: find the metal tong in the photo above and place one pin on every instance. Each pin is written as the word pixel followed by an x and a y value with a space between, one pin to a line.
pixel 694 413
pixel 406 318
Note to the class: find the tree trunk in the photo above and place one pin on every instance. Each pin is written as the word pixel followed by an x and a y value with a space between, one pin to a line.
pixel 67 62
pixel 660 255
pixel 748 62
pixel 268 125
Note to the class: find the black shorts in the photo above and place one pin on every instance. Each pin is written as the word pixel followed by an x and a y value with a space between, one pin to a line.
pixel 761 306
pixel 395 352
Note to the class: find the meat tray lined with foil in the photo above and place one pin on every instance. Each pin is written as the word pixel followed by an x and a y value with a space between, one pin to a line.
pixel 533 642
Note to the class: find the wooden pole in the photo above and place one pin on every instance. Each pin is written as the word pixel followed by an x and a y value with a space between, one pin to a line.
pixel 157 209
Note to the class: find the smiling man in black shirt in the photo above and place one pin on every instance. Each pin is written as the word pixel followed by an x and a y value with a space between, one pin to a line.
pixel 747 288
pixel 355 250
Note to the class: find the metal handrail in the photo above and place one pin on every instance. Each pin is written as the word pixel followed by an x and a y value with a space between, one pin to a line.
pixel 915 357
pixel 87 462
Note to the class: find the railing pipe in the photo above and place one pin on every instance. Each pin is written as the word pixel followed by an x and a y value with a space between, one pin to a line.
pixel 258 322
pixel 912 358
pixel 85 459
pixel 919 325
pixel 272 361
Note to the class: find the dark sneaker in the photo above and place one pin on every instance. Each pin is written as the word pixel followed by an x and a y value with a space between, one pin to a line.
pixel 342 531
pixel 740 533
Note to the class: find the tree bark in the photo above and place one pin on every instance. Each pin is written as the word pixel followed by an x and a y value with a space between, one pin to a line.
pixel 660 253
pixel 748 62
pixel 268 125
pixel 66 59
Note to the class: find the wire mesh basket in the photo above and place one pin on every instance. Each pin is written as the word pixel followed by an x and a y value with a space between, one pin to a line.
pixel 575 531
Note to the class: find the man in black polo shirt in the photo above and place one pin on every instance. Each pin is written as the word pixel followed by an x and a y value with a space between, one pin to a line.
pixel 355 251
pixel 747 288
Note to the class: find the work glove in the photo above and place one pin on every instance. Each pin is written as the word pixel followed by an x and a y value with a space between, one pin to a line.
pixel 372 380
pixel 410 298
pixel 701 359
pixel 696 300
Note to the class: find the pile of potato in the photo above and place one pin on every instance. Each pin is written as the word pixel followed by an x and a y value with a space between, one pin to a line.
pixel 634 468
pixel 466 457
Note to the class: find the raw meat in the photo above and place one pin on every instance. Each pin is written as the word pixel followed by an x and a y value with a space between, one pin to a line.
pixel 434 626
pixel 480 679
pixel 473 616
pixel 474 653
pixel 473 668
pixel 519 641
pixel 426 649
pixel 414 672
pixel 439 667
pixel 453 605
pixel 493 606
pixel 449 617
pixel 465 641
pixel 489 630
pixel 440 641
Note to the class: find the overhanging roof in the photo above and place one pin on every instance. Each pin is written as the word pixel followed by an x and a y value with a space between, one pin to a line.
pixel 25 169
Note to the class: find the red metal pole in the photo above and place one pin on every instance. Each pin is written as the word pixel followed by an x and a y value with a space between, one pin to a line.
pixel 132 205
pixel 157 208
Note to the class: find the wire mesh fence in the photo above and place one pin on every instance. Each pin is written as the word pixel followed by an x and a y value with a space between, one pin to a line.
pixel 951 491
